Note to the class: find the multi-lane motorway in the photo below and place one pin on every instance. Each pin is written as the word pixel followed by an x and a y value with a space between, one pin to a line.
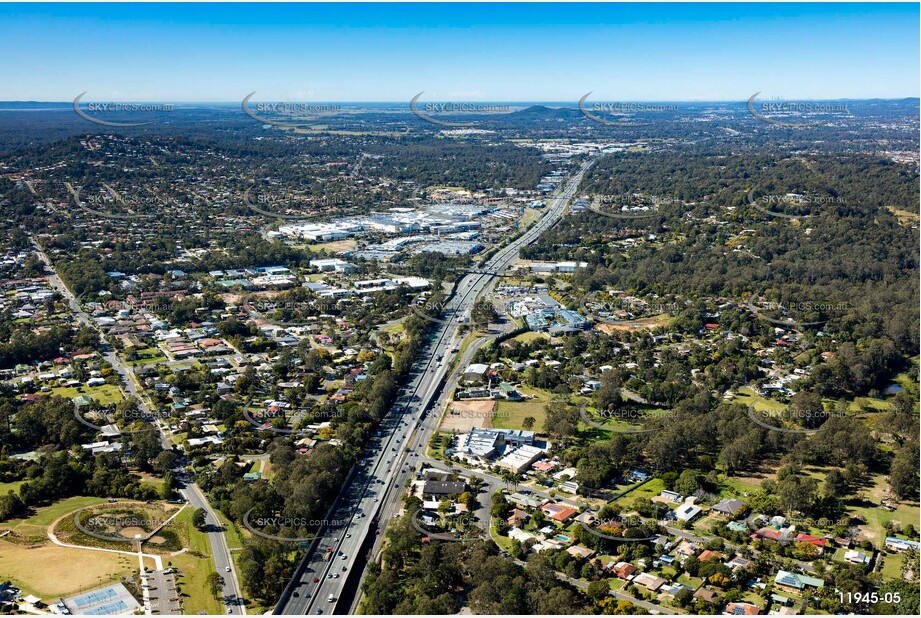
pixel 371 497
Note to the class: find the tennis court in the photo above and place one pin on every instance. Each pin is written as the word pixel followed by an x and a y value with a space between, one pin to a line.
pixel 108 601
pixel 94 598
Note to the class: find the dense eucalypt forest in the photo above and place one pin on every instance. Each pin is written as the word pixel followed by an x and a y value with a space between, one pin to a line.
pixel 709 247
pixel 851 258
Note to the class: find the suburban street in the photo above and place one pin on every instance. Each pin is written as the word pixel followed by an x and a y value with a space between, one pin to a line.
pixel 373 494
pixel 491 485
pixel 232 599
pixel 219 552
pixel 441 336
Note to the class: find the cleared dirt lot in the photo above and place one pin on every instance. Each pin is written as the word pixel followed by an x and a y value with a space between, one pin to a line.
pixel 461 416
pixel 628 325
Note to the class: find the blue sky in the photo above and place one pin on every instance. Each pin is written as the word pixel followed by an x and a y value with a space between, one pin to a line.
pixel 457 52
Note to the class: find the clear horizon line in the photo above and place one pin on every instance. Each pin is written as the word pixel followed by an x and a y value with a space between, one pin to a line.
pixel 462 101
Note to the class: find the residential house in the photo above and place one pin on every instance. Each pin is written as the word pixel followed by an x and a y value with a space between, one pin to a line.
pixel 741 609
pixel 558 512
pixel 687 548
pixel 517 518
pixel 570 487
pixel 732 507
pixel 812 540
pixel 687 512
pixel 624 570
pixel 738 563
pixel 901 544
pixel 674 589
pixel 580 551
pixel 524 500
pixel 707 595
pixel 649 581
pixel 521 536
pixel 795 583
pixel 586 518
pixel 544 466
pixel 856 557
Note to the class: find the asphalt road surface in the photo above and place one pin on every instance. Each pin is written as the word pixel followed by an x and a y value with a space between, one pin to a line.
pixel 373 493
pixel 231 593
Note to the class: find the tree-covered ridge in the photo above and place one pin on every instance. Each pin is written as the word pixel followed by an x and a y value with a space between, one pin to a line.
pixel 851 257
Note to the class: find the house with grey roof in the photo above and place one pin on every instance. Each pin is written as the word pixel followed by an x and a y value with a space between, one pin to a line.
pixel 732 507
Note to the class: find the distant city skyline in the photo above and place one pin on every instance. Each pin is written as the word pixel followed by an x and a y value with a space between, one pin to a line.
pixel 510 53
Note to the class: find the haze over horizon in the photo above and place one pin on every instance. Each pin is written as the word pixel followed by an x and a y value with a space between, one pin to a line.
pixel 88 98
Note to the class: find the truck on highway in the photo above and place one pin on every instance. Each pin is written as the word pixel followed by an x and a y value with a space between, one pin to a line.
pixel 329 554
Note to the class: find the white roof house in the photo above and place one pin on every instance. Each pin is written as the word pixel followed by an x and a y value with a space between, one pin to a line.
pixel 687 512
pixel 856 557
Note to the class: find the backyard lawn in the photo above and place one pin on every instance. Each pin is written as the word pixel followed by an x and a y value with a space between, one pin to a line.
pixel 691 582
pixel 105 394
pixel 892 566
